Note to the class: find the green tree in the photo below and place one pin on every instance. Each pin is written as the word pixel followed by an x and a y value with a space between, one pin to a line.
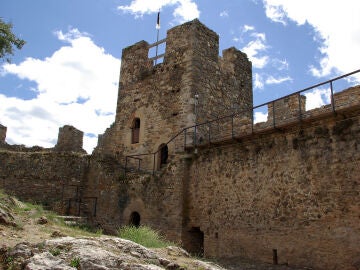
pixel 8 40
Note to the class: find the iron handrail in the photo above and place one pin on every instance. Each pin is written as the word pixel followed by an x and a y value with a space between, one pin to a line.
pixel 208 122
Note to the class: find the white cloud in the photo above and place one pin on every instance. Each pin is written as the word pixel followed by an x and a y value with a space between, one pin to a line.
pixel 77 85
pixel 224 13
pixel 254 51
pixel 185 10
pixel 258 81
pixel 280 64
pixel 256 47
pixel 273 80
pixel 317 98
pixel 275 13
pixel 69 36
pixel 260 117
pixel 248 28
pixel 337 23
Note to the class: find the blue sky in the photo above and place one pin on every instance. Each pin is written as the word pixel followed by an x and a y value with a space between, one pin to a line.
pixel 67 73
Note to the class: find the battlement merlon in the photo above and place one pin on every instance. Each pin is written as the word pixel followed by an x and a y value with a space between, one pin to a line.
pixel 235 61
pixel 134 62
pixel 3 130
pixel 189 44
pixel 70 139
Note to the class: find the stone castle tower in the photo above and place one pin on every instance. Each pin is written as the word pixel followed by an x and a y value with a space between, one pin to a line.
pixel 157 101
pixel 285 190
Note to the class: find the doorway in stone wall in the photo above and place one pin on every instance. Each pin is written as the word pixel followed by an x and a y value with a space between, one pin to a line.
pixel 163 153
pixel 193 241
pixel 134 219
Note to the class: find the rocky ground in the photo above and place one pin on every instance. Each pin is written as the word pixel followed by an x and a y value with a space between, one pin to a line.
pixel 31 240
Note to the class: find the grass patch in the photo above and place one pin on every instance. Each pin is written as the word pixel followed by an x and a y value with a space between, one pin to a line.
pixel 55 251
pixel 88 228
pixel 75 262
pixel 32 210
pixel 35 211
pixel 2 194
pixel 144 236
pixel 41 246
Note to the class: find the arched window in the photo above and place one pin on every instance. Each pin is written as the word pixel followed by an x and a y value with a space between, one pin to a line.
pixel 135 131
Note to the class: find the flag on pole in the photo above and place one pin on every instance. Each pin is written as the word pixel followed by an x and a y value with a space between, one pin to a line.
pixel 158 21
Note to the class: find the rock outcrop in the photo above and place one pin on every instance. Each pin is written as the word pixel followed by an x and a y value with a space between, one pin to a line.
pixel 6 216
pixel 96 253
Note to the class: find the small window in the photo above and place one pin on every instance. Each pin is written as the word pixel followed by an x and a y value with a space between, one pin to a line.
pixel 135 131
pixel 163 155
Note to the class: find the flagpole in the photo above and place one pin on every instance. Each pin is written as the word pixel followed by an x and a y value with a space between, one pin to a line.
pixel 157 35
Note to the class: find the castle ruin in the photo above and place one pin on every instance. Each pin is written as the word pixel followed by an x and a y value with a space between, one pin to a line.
pixel 2 134
pixel 185 156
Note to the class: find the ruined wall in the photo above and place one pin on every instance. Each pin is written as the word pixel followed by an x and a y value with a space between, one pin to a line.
pixel 69 139
pixel 44 177
pixel 2 134
pixel 295 191
pixel 51 176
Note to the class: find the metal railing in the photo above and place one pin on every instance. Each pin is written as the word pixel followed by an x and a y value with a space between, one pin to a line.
pixel 287 110
pixel 78 202
pixel 156 44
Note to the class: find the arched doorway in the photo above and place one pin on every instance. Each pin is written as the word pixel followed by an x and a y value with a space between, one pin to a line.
pixel 163 153
pixel 193 241
pixel 134 219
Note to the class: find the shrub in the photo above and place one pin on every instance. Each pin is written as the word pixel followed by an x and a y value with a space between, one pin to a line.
pixel 144 236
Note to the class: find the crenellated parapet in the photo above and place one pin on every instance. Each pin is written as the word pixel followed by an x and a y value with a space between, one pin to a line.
pixel 192 84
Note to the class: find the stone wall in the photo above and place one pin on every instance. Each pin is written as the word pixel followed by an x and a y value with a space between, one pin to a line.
pixel 44 177
pixel 51 176
pixel 287 109
pixel 163 96
pixel 2 134
pixel 157 199
pixel 296 191
pixel 69 139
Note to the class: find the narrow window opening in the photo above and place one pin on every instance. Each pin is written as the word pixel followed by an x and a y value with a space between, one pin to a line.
pixel 163 154
pixel 275 257
pixel 135 131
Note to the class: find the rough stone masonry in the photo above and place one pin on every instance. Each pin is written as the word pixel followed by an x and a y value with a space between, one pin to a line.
pixel 284 189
